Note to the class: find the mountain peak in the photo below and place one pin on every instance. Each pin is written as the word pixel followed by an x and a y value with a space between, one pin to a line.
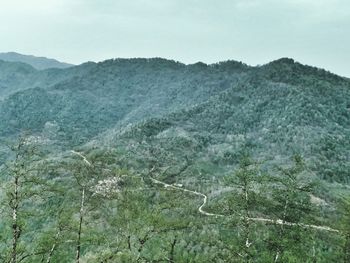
pixel 290 71
pixel 284 60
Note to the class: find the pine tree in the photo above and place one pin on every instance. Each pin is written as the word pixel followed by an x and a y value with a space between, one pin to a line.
pixel 90 183
pixel 344 207
pixel 25 188
pixel 291 191
pixel 242 203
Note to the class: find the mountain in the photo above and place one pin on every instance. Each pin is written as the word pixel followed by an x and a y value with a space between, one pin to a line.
pixel 182 163
pixel 97 96
pixel 277 109
pixel 39 63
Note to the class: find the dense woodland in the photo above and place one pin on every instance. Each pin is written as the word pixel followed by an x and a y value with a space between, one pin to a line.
pixel 150 160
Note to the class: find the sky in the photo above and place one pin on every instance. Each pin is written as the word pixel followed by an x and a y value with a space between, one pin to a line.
pixel 313 32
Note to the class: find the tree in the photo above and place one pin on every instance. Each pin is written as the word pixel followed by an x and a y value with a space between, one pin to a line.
pixel 242 202
pixel 344 207
pixel 291 191
pixel 89 182
pixel 25 186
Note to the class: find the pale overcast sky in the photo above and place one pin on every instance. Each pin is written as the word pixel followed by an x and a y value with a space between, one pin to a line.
pixel 315 32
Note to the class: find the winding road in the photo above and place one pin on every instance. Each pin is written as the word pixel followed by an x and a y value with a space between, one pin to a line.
pixel 255 219
pixel 205 201
pixel 205 198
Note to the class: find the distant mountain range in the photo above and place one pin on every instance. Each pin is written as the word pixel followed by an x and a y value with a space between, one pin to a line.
pixel 39 63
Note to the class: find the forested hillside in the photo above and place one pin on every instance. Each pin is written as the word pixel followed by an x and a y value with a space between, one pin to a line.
pixel 152 160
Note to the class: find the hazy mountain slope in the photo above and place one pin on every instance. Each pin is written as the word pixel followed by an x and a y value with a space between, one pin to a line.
pixel 13 76
pixel 90 98
pixel 208 112
pixel 39 63
pixel 310 115
pixel 17 76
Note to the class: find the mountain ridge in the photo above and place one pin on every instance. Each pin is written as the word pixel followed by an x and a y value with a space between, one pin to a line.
pixel 39 63
pixel 141 145
pixel 271 106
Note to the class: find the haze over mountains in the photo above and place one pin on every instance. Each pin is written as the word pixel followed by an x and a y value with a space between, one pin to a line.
pixel 36 62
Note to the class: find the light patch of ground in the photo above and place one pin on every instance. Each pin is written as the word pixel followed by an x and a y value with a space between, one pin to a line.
pixel 174 132
pixel 317 201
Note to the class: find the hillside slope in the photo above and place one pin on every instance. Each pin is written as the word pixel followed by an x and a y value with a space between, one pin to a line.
pixel 213 111
pixel 274 115
pixel 90 98
pixel 151 160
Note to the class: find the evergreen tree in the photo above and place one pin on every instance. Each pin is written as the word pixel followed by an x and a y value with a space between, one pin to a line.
pixel 291 191
pixel 26 188
pixel 344 207
pixel 241 205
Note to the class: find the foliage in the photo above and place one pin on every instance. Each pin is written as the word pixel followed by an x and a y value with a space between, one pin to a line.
pixel 132 122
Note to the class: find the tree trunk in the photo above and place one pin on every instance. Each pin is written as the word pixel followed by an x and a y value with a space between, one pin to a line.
pixel 129 243
pixel 246 223
pixel 277 255
pixel 81 215
pixel 53 246
pixel 172 251
pixel 280 249
pixel 15 228
pixel 347 248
